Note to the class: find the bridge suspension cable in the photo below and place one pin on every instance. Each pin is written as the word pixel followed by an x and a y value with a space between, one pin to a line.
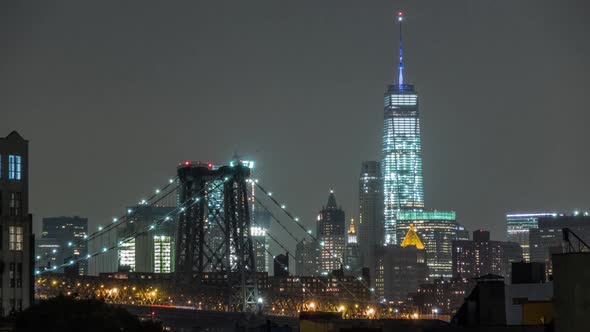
pixel 152 226
pixel 309 232
pixel 153 199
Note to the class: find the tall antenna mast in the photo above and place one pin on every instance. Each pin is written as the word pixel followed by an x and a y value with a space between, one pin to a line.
pixel 400 18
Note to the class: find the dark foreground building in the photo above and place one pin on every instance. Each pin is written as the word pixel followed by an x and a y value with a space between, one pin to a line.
pixel 16 254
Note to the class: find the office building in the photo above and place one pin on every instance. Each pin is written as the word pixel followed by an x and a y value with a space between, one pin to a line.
pixel 47 253
pixel 518 226
pixel 462 232
pixel 151 251
pixel 352 256
pixel 442 297
pixel 70 233
pixel 547 237
pixel 307 254
pixel 370 222
pixel 331 234
pixel 401 268
pixel 437 229
pixel 402 152
pixel 17 240
pixel 281 265
pixel 482 256
pixel 261 221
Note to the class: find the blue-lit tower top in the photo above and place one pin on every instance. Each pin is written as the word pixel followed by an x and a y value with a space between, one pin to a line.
pixel 402 150
pixel 400 19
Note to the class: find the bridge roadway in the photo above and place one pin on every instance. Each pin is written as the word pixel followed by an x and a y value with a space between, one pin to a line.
pixel 190 319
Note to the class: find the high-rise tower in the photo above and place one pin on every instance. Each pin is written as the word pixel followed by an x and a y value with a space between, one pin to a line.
pixel 331 233
pixel 370 226
pixel 402 150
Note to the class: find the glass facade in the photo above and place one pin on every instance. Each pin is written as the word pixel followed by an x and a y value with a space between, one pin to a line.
pixel 518 228
pixel 402 156
pixel 127 254
pixel 437 230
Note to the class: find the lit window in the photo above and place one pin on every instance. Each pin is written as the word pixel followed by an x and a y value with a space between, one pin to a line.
pixel 15 241
pixel 14 167
pixel 15 204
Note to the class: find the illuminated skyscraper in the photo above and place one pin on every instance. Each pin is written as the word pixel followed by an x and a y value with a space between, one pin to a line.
pixel 402 151
pixel 437 230
pixel 150 251
pixel 261 220
pixel 69 233
pixel 519 225
pixel 331 233
pixel 352 258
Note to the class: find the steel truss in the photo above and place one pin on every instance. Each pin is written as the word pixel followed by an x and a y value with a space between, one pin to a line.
pixel 214 233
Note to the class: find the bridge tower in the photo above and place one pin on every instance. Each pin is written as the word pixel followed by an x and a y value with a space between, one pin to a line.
pixel 213 240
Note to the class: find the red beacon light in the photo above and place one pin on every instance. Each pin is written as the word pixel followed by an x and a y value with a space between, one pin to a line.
pixel 187 163
pixel 153 313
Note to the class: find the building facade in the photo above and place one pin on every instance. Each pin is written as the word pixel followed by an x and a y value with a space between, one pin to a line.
pixel 307 254
pixel 148 252
pixel 442 296
pixel 352 256
pixel 331 235
pixel 258 231
pixel 518 226
pixel 547 238
pixel 482 256
pixel 437 229
pixel 17 240
pixel 70 234
pixel 462 232
pixel 370 225
pixel 400 269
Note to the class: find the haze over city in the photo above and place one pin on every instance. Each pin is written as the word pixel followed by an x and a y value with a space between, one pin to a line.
pixel 113 103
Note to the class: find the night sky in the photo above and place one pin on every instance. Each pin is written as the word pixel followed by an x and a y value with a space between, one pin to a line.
pixel 112 95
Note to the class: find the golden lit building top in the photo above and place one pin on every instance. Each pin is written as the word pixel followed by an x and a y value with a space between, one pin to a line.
pixel 351 229
pixel 412 239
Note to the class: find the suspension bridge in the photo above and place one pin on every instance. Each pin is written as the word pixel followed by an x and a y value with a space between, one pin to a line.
pixel 215 270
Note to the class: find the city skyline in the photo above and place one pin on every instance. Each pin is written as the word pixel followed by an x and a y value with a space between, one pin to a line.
pixel 110 130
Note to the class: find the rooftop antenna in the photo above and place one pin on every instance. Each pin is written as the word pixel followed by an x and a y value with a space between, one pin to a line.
pixel 400 18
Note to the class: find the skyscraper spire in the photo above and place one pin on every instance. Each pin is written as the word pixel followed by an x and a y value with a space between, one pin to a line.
pixel 400 18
